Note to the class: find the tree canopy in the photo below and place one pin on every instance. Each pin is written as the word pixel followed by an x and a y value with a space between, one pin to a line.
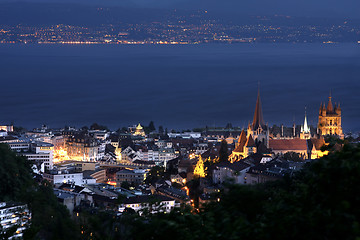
pixel 96 126
pixel 319 202
pixel 223 152
pixel 50 219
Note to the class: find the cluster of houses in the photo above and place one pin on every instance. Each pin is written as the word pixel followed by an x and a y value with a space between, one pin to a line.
pixel 141 171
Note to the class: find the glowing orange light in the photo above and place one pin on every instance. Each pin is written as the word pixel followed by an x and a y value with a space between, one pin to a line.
pixel 111 183
pixel 199 170
pixel 60 155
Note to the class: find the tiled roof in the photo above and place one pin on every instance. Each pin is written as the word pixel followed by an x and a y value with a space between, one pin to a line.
pixel 184 163
pixel 250 142
pixel 318 143
pixel 236 166
pixel 146 199
pixel 295 144
pixel 241 142
pixel 258 115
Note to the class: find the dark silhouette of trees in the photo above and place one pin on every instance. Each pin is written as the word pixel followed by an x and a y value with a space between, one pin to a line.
pixel 293 156
pixel 161 130
pixel 223 152
pixel 151 126
pixel 96 126
pixel 50 219
pixel 319 202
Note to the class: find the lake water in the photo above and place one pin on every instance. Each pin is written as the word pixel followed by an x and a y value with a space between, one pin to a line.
pixel 176 86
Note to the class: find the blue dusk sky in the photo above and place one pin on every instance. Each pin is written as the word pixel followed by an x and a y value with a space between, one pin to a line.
pixel 313 8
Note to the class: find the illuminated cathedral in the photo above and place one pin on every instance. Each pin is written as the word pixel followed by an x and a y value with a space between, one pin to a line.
pixel 258 129
pixel 256 132
pixel 330 119
pixel 303 141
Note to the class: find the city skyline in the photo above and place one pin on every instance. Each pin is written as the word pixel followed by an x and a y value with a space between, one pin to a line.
pixel 179 119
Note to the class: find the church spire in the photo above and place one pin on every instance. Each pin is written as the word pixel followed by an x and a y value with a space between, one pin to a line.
pixel 306 128
pixel 330 108
pixel 258 115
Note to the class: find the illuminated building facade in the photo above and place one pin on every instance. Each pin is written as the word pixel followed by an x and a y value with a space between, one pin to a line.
pixel 154 203
pixel 59 177
pixel 165 155
pixel 41 152
pixel 136 176
pixel 315 145
pixel 256 132
pixel 330 119
pixel 7 128
pixel 244 147
pixel 82 147
pixel 37 152
pixel 139 131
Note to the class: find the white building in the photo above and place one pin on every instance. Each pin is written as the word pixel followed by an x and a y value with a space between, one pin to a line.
pixel 129 155
pixel 149 155
pixel 141 203
pixel 58 177
pixel 165 155
pixel 136 176
pixel 19 146
pixel 14 214
pixel 194 135
pixel 101 151
pixel 164 144
pixel 41 135
pixel 7 128
pixel 40 152
pixel 201 148
pixel 227 171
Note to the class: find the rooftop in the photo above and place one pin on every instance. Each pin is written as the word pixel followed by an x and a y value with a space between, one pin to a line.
pixel 146 199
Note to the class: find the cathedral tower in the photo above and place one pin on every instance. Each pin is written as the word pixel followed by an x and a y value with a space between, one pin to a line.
pixel 330 119
pixel 258 129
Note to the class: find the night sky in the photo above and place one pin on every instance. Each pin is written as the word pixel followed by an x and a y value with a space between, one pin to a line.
pixel 314 8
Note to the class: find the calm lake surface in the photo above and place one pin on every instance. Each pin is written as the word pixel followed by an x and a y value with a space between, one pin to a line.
pixel 176 86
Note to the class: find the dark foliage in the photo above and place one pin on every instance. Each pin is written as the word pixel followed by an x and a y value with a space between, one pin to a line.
pixel 50 219
pixel 151 126
pixel 96 126
pixel 293 156
pixel 161 130
pixel 155 173
pixel 223 152
pixel 320 202
pixel 15 175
